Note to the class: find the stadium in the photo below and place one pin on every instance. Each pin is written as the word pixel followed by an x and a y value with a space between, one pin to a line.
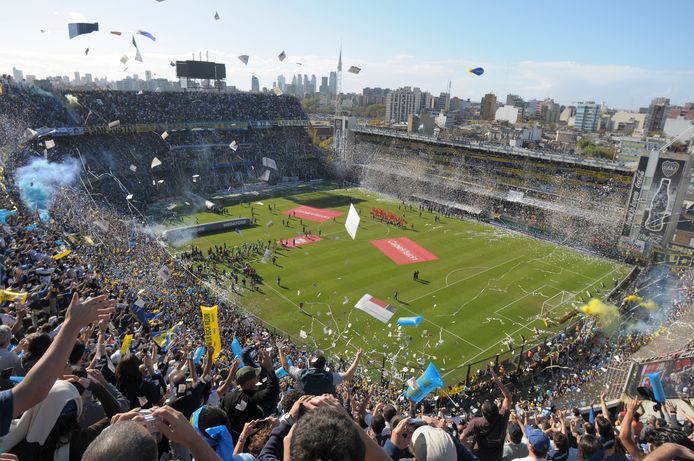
pixel 172 247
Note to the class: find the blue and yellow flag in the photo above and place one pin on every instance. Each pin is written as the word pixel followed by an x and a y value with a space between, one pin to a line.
pixel 164 339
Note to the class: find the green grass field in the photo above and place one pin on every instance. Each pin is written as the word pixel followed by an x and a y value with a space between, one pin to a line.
pixel 488 283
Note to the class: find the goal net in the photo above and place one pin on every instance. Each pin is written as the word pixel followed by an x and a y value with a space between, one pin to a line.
pixel 560 299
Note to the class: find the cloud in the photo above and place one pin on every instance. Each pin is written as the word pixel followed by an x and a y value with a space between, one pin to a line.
pixel 627 86
pixel 76 16
pixel 564 81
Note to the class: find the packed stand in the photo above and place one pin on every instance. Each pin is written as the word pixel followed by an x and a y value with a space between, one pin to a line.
pixel 166 107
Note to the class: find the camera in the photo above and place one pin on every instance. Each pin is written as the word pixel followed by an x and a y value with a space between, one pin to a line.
pixel 150 421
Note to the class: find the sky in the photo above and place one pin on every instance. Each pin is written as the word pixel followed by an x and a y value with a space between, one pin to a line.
pixel 622 52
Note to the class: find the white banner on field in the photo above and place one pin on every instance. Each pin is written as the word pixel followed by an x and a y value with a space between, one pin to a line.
pixel 375 307
pixel 352 222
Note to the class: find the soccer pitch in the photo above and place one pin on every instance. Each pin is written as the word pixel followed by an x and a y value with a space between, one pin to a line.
pixel 487 285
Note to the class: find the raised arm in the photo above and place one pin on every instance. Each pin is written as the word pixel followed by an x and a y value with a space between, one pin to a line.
pixel 625 430
pixel 508 398
pixel 603 405
pixel 224 388
pixel 349 374
pixel 39 381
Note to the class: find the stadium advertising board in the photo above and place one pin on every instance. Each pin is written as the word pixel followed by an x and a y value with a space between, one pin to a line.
pixel 634 196
pixel 672 258
pixel 661 199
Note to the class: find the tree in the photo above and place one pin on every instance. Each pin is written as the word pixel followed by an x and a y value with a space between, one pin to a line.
pixel 310 105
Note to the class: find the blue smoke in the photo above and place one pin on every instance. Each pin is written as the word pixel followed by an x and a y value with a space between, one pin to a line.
pixel 40 180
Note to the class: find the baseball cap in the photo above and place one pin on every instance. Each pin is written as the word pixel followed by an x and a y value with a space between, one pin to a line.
pixel 433 444
pixel 538 440
pixel 245 374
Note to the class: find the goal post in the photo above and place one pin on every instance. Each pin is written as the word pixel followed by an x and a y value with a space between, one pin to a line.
pixel 560 299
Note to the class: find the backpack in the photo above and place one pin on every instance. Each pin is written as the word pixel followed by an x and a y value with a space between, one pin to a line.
pixel 316 382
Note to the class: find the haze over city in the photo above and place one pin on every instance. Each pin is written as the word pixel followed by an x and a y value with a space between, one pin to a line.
pixel 601 51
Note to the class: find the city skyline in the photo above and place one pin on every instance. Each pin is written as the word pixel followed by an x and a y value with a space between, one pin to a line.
pixel 618 67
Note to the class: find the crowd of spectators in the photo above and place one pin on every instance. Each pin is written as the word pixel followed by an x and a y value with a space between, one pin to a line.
pixel 113 401
pixel 165 107
pixel 87 378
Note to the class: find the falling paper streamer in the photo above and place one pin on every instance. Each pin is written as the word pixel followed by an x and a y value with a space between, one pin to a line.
pixel 265 176
pixel 80 28
pixel 146 34
pixel 165 135
pixel 303 334
pixel 216 16
pixel 124 59
pixel 299 63
pixel 354 70
pixel 233 145
pixel 352 222
pixel 172 64
pixel 86 51
pixel 133 168
pixel 114 124
pixel 270 163
pixel 155 163
pixel 138 56
pixel 115 32
pixel 244 58
pixel 129 197
pixel 281 56
pixel 278 91
pixel 50 144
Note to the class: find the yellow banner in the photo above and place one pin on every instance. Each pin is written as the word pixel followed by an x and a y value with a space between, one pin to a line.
pixel 8 295
pixel 61 255
pixel 126 345
pixel 211 327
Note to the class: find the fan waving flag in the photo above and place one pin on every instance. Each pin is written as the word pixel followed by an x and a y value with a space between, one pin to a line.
pixel 163 339
pixel 376 308
pixel 79 28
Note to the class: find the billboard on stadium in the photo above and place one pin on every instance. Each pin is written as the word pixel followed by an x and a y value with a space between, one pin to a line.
pixel 672 258
pixel 660 199
pixel 635 196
